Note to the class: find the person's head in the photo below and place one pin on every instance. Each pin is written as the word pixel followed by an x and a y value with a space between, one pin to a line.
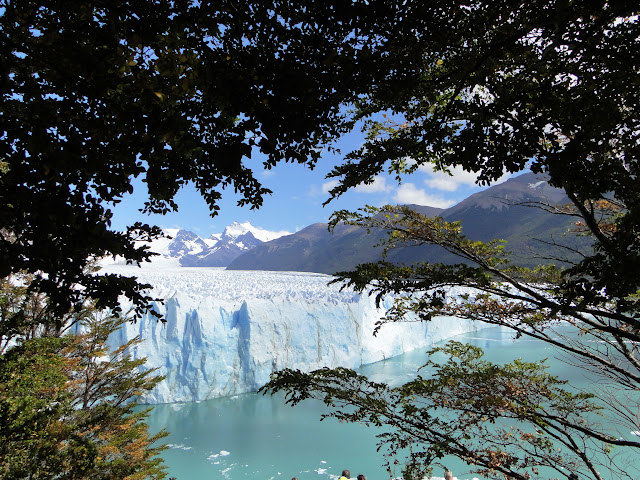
pixel 294 478
pixel 361 477
pixel 448 475
pixel 346 473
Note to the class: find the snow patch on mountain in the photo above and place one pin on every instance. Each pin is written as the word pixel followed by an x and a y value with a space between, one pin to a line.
pixel 213 239
pixel 537 185
pixel 227 331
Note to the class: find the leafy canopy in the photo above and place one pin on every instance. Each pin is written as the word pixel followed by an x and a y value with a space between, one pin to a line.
pixel 503 86
pixel 95 94
pixel 549 85
pixel 68 408
pixel 175 92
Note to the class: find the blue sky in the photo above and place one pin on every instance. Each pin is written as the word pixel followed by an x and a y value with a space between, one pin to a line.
pixel 298 194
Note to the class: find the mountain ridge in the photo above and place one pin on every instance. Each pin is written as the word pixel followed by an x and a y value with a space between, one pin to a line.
pixel 180 247
pixel 497 212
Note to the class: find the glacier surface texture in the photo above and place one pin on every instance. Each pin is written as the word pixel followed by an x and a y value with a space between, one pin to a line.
pixel 227 331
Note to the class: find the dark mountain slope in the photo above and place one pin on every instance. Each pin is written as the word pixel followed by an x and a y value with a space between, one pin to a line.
pixel 503 211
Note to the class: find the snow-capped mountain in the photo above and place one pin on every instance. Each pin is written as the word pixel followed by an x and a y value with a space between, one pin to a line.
pixel 236 230
pixel 236 239
pixel 185 243
pixel 184 248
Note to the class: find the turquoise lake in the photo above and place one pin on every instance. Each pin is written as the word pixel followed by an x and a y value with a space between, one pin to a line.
pixel 258 437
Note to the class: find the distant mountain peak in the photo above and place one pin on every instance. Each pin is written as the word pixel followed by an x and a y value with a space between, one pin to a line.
pixel 185 243
pixel 528 187
pixel 184 247
pixel 185 235
pixel 170 232
pixel 500 211
pixel 236 229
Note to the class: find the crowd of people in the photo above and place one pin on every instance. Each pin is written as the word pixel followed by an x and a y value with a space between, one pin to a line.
pixel 346 475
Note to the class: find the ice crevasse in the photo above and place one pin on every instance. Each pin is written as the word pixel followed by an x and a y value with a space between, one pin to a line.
pixel 225 332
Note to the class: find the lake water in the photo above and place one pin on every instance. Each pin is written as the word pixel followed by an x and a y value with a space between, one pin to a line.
pixel 253 437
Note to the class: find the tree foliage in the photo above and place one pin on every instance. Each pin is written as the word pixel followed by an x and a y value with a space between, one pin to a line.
pixel 25 315
pixel 550 86
pixel 506 421
pixel 95 94
pixel 68 411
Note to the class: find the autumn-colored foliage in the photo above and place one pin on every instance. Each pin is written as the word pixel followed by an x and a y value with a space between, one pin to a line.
pixel 67 408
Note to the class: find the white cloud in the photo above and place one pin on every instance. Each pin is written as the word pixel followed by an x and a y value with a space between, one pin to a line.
pixel 450 183
pixel 408 193
pixel 329 185
pixel 379 185
pixel 266 173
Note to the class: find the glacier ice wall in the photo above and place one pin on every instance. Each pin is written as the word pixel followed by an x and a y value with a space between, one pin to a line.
pixel 227 331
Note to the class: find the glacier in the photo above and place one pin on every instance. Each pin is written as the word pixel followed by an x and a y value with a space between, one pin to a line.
pixel 226 331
